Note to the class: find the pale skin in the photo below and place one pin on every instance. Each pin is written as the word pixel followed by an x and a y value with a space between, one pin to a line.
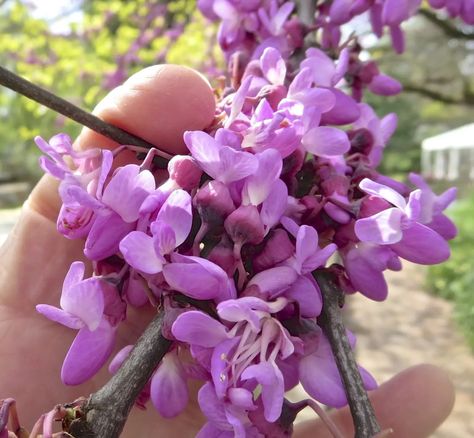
pixel 157 104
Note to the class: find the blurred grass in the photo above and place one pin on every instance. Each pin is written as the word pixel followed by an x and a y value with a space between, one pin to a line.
pixel 454 279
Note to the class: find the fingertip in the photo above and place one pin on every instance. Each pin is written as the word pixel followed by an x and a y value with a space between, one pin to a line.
pixel 413 404
pixel 159 104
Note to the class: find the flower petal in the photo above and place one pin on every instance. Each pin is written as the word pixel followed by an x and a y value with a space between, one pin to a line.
pixel 198 328
pixel 169 390
pixel 177 213
pixel 383 228
pixel 384 192
pixel 139 252
pixel 258 185
pixel 326 141
pixel 86 301
pixel 422 245
pixel 60 316
pixel 88 352
pixel 74 275
pixel 271 379
pixel 274 205
pixel 273 66
pixel 199 278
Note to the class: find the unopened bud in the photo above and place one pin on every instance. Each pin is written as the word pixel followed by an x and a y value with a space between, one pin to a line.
pixel 361 140
pixel 214 202
pixel 223 255
pixel 277 249
pixel 185 171
pixel 245 226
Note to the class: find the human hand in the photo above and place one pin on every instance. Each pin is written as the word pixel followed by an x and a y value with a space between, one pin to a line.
pixel 158 104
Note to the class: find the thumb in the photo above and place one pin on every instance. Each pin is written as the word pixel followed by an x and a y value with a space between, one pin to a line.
pixel 157 104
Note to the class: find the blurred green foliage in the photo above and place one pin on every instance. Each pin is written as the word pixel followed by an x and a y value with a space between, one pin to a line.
pixel 75 63
pixel 454 279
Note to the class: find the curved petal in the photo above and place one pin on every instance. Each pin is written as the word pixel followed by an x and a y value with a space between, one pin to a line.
pixel 274 205
pixel 383 228
pixel 201 279
pixel 364 276
pixel 321 380
pixel 169 389
pixel 74 275
pixel 60 316
pixel 326 141
pixel 306 293
pixel 275 280
pixel 258 185
pixel 139 252
pixel 235 165
pixel 271 379
pixel 384 192
pixel 422 245
pixel 273 66
pixel 177 213
pixel 105 235
pixel 86 301
pixel 88 352
pixel 198 328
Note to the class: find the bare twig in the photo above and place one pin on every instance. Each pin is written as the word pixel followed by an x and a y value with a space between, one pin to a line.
pixel 106 411
pixel 71 111
pixel 363 416
pixel 448 29
pixel 467 97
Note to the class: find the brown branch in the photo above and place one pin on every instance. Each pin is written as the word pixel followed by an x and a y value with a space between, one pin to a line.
pixel 363 416
pixel 106 411
pixel 467 97
pixel 448 29
pixel 71 111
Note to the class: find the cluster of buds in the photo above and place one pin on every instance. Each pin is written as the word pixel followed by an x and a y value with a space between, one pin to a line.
pixel 284 181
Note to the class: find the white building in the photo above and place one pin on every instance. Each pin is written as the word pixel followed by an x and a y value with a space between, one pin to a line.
pixel 449 156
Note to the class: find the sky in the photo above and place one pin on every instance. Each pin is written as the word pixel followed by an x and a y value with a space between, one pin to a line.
pixel 59 13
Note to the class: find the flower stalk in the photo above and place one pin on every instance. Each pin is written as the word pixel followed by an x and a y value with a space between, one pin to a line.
pixel 363 415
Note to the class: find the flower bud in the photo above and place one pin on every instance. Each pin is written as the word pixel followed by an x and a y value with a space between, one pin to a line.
pixel 277 249
pixel 361 140
pixel 214 202
pixel 223 255
pixel 185 171
pixel 245 226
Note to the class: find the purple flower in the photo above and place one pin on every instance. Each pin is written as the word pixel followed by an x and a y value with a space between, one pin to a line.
pixel 365 263
pixel 222 163
pixel 321 379
pixel 432 207
pixel 198 278
pixel 258 184
pixel 399 227
pixel 83 307
pixel 169 389
pixel 169 230
pixel 118 209
pixel 380 129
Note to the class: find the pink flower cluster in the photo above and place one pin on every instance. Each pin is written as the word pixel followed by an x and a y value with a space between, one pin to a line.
pixel 283 182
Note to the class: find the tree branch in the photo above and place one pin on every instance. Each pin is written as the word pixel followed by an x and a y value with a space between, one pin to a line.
pixel 445 26
pixel 363 416
pixel 106 411
pixel 467 97
pixel 71 111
